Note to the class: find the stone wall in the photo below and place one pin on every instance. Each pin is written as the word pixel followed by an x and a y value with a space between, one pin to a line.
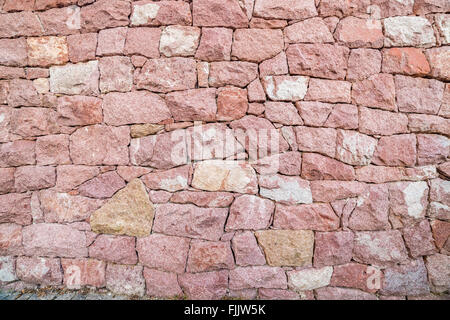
pixel 292 149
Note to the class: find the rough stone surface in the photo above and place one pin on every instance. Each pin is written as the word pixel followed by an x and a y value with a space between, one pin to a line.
pixel 287 247
pixel 129 212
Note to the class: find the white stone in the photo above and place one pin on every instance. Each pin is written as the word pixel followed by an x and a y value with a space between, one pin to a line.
pixel 310 279
pixel 7 273
pixel 80 78
pixel 287 190
pixel 408 31
pixel 179 41
pixel 286 88
pixel 414 193
pixel 443 25
pixel 355 148
pixel 142 13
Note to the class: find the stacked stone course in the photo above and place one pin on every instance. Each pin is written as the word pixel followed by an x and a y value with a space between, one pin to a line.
pixel 323 170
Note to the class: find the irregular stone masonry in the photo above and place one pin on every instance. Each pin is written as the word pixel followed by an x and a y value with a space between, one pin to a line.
pixel 205 149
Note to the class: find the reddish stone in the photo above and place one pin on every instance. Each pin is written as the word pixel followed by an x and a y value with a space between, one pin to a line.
pixel 267 24
pixel 215 44
pixel 355 32
pixel 246 250
pixel 330 293
pixel 52 149
pixel 102 186
pixel 379 122
pixel 419 239
pixel 317 216
pixel 343 116
pixel 409 61
pixel 13 52
pixel 363 63
pixel 116 74
pixel 441 234
pixel 234 73
pixel 320 140
pixel 162 284
pixel 15 208
pixel 250 212
pixel 312 30
pixel 314 113
pixel 377 91
pixel 282 112
pixel 167 74
pixel 289 10
pixel 358 276
pixel 100 144
pixel 204 286
pixel 329 91
pixel 29 122
pixel 274 66
pixel 428 6
pixel 232 103
pixel 218 13
pixel 105 14
pixel 111 41
pixel 432 149
pixel 329 190
pixel 117 249
pixel 22 93
pixel 148 48
pixel 63 207
pixel 256 45
pixel 372 209
pixel 439 60
pixel 203 199
pixel 129 173
pixel 79 110
pixel 318 60
pixel 52 240
pixel 34 178
pixel 159 196
pixel 440 191
pixel 408 279
pixel 6 180
pixel 418 95
pixel 190 221
pixel 134 107
pixel 255 93
pixel 17 153
pixel 380 248
pixel 163 151
pixel 257 277
pixel 193 105
pixel 12 5
pixel 287 163
pixel 170 180
pixel 428 124
pixel 20 24
pixel 342 8
pixel 209 256
pixel 10 239
pixel 43 271
pixel 163 252
pixel 399 150
pixel 82 47
pixel 161 13
pixel 127 280
pixel 9 73
pixel 60 21
pixel 83 272
pixel 71 176
pixel 438 272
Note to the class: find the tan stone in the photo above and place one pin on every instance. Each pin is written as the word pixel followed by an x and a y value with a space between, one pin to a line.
pixel 128 212
pixel 143 130
pixel 287 247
